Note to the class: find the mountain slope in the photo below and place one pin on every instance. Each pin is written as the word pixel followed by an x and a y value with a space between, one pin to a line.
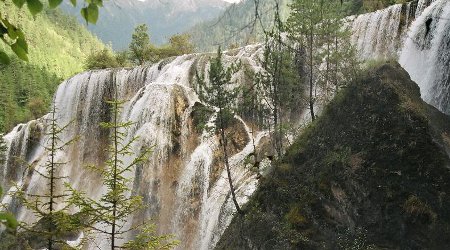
pixel 234 26
pixel 58 46
pixel 164 18
pixel 371 172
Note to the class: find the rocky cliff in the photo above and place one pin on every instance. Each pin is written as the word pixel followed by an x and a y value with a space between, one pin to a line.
pixel 371 172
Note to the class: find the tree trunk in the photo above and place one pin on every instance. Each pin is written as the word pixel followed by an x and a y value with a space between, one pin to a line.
pixel 311 82
pixel 227 165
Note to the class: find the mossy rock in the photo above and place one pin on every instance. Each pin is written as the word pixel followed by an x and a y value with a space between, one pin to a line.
pixel 376 161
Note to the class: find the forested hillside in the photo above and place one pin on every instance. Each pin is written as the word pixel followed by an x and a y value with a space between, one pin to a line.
pixel 236 26
pixel 58 46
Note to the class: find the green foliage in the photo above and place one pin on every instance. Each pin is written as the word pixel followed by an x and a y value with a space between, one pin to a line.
pixel 114 207
pixel 222 95
pixel 122 58
pixel 238 25
pixel 7 219
pixel 140 46
pixel 59 48
pixel 282 80
pixel 27 92
pixel 52 224
pixel 316 26
pixel 37 107
pixel 90 13
pixel 200 117
pixel 220 91
pixel 101 60
pixel 181 44
pixel 13 36
pixel 363 143
pixel 141 50
pixel 148 239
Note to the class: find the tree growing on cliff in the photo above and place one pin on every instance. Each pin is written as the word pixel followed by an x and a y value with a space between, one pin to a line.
pixel 222 95
pixel 109 214
pixel 324 46
pixel 280 81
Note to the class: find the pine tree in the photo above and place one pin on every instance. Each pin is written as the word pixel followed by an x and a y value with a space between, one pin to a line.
pixel 108 214
pixel 280 80
pixel 318 30
pixel 52 224
pixel 223 97
pixel 140 46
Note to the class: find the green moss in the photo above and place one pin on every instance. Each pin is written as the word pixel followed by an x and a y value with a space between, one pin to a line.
pixel 378 153
pixel 418 209
pixel 295 218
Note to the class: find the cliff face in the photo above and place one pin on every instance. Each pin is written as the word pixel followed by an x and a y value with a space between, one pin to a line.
pixel 372 171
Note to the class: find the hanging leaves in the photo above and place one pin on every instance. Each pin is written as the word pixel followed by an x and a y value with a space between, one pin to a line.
pixel 19 3
pixel 90 13
pixel 20 51
pixel 54 3
pixel 4 59
pixel 16 41
pixel 34 6
pixel 14 38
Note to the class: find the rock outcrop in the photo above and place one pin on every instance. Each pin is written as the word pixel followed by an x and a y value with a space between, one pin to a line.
pixel 372 171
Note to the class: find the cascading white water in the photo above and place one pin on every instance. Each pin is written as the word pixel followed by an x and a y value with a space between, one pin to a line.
pixel 182 183
pixel 380 34
pixel 426 54
pixel 186 193
pixel 418 35
pixel 377 34
pixel 421 5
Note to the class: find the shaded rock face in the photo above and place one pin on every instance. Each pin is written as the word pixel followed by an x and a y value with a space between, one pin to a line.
pixel 373 170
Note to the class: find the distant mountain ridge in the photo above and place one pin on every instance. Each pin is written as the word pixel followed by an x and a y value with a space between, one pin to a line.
pixel 164 17
pixel 235 26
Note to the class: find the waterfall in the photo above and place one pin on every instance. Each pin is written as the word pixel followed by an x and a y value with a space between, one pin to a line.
pixel 426 54
pixel 421 5
pixel 182 182
pixel 417 34
pixel 381 34
pixel 377 34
